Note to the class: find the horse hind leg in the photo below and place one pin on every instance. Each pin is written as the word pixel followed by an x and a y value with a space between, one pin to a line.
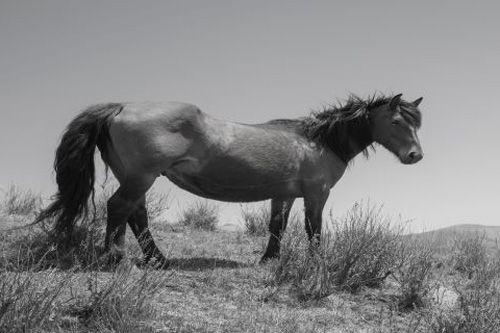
pixel 138 222
pixel 121 206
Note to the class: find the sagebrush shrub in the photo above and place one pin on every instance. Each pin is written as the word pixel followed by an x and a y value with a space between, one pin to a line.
pixel 468 252
pixel 20 201
pixel 414 273
pixel 478 308
pixel 256 220
pixel 358 251
pixel 201 215
pixel 366 244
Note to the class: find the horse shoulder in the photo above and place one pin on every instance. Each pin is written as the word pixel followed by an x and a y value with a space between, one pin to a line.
pixel 321 169
pixel 334 167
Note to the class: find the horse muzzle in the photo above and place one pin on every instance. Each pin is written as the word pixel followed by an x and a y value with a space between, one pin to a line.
pixel 412 157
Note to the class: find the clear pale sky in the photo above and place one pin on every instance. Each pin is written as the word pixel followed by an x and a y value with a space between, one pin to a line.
pixel 254 61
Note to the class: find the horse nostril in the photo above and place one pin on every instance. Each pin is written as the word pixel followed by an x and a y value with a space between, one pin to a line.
pixel 414 156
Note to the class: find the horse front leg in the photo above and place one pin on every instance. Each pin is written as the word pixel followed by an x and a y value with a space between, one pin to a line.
pixel 138 222
pixel 314 203
pixel 280 210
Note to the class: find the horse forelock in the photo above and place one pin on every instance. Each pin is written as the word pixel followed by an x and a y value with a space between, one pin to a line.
pixel 411 113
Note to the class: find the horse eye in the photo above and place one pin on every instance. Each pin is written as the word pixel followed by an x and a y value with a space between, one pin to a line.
pixel 394 122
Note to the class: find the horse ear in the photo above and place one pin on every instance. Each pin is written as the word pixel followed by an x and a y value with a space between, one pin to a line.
pixel 417 101
pixel 395 101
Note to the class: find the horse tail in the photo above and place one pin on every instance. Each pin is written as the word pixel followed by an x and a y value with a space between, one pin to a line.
pixel 74 166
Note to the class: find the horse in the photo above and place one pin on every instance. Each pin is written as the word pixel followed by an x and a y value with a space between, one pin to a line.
pixel 281 160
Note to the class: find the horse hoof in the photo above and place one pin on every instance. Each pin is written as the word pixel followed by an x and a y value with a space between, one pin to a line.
pixel 156 263
pixel 161 264
pixel 267 258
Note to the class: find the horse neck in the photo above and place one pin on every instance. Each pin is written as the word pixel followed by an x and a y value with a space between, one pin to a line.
pixel 357 139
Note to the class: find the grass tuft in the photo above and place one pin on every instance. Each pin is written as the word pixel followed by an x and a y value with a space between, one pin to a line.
pixel 122 302
pixel 29 301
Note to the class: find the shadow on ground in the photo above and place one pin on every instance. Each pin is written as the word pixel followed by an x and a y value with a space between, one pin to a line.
pixel 201 264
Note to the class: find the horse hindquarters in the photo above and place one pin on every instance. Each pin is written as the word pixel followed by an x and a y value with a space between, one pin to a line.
pixel 128 204
pixel 145 140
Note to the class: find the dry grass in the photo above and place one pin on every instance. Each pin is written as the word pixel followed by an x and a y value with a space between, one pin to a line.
pixel 215 284
pixel 73 301
pixel 86 246
pixel 121 303
pixel 28 300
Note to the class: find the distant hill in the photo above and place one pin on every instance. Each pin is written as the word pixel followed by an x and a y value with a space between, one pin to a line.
pixel 444 237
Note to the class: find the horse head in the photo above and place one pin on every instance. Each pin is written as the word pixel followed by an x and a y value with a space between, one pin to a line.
pixel 394 125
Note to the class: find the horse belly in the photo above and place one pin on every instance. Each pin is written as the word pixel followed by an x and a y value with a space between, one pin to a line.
pixel 231 182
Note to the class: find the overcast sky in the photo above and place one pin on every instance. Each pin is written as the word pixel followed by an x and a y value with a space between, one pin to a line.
pixel 254 61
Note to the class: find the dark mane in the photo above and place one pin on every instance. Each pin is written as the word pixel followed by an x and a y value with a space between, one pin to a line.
pixel 344 127
pixel 341 126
